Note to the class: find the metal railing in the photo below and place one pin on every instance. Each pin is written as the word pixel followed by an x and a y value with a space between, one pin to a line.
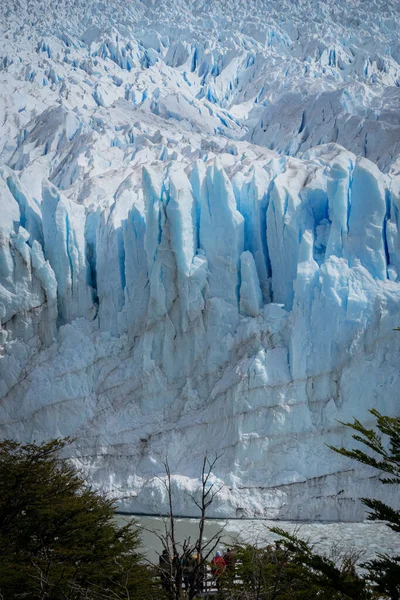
pixel 208 584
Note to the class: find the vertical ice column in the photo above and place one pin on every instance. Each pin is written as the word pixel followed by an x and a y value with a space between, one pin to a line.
pixel 160 262
pixel 170 243
pixel 366 240
pixel 181 212
pixel 133 318
pixel 35 291
pixel 221 235
pixel 28 306
pixel 339 183
pixel 29 213
pixel 393 230
pixel 301 343
pixel 28 290
pixel 111 261
pixel 199 268
pixel 254 199
pixel 9 215
pixel 283 233
pixel 197 177
pixel 45 274
pixel 65 248
pixel 250 291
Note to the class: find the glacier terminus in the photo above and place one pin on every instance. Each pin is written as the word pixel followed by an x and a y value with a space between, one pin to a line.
pixel 200 244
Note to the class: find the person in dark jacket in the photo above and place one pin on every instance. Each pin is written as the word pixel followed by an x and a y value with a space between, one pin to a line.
pixel 201 574
pixel 230 560
pixel 164 563
pixel 189 564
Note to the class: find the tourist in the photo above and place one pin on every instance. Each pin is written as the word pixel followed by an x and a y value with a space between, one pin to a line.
pixel 230 561
pixel 165 570
pixel 218 565
pixel 189 563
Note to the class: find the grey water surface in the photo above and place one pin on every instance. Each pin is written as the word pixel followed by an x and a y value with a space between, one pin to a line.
pixel 367 539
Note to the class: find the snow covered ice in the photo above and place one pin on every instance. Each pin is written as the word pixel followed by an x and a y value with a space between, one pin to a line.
pixel 199 243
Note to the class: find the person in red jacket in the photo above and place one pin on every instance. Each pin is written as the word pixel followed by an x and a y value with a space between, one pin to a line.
pixel 218 565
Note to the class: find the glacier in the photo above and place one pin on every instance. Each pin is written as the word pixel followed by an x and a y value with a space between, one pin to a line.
pixel 200 244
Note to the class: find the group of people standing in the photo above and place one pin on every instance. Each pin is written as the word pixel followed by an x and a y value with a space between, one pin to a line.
pixel 222 565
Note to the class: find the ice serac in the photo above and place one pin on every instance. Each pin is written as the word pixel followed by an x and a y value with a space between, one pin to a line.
pixel 253 204
pixel 182 214
pixel 285 222
pixel 133 316
pixel 65 249
pixel 158 262
pixel 250 291
pixel 366 240
pixel 28 286
pixel 221 235
pixel 392 231
pixel 200 244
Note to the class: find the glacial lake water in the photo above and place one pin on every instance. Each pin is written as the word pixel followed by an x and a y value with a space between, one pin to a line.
pixel 366 538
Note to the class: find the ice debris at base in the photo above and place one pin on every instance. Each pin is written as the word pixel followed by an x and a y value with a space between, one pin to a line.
pixel 199 243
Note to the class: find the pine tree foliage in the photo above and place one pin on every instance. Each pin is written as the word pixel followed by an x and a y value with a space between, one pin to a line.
pixel 383 454
pixel 58 538
pixel 292 571
pixel 388 459
pixel 322 575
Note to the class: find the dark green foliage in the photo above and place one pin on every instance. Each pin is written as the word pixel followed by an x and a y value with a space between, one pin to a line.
pixel 338 582
pixel 58 539
pixel 266 574
pixel 292 571
pixel 388 459
pixel 384 571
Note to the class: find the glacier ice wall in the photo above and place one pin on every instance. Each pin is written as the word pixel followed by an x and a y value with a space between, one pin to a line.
pixel 161 341
pixel 193 259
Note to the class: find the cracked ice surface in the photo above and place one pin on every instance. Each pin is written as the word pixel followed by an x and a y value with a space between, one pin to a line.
pixel 199 243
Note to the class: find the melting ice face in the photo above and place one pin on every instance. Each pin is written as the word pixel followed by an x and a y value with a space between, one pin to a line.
pixel 199 244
